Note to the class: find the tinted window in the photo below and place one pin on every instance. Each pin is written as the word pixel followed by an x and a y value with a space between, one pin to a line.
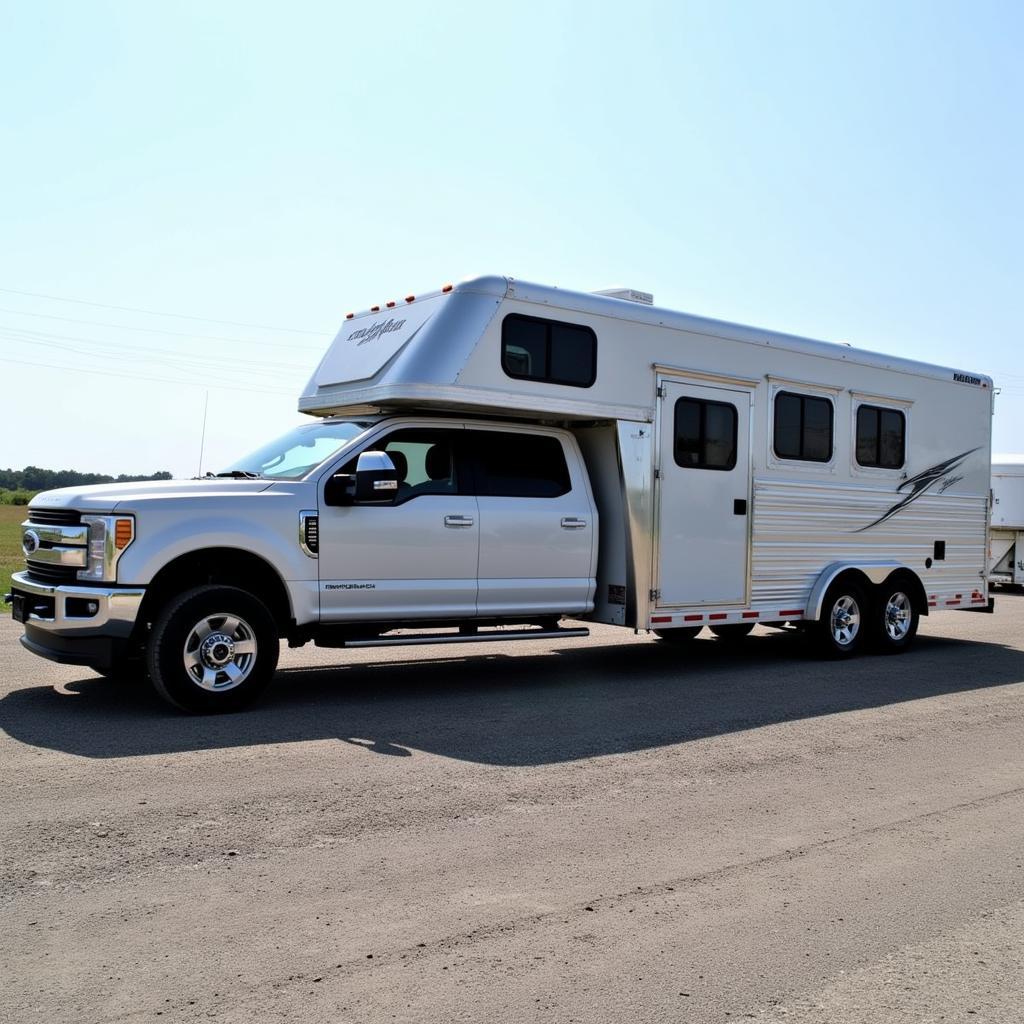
pixel 518 465
pixel 425 460
pixel 705 434
pixel 803 427
pixel 880 437
pixel 548 350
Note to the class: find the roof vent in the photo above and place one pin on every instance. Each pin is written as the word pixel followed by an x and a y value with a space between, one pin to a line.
pixel 629 294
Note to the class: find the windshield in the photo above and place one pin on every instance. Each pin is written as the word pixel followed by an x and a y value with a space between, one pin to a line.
pixel 293 455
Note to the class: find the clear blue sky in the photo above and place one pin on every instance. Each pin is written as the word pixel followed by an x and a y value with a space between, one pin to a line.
pixel 853 172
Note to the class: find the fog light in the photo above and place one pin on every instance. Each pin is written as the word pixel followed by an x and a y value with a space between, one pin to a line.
pixel 81 608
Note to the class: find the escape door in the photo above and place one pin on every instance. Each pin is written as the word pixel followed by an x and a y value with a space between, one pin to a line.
pixel 702 534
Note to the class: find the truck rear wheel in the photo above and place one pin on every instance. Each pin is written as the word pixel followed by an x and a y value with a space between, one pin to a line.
pixel 213 649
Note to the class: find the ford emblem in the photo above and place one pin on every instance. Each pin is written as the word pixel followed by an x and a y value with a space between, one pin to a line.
pixel 30 542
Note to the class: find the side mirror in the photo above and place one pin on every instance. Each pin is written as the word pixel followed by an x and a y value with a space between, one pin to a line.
pixel 376 479
pixel 375 482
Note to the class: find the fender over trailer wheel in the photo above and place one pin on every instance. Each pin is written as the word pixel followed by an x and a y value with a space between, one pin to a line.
pixel 894 618
pixel 682 635
pixel 213 649
pixel 840 631
pixel 732 630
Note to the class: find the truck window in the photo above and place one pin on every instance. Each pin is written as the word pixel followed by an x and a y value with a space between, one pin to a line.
pixel 880 437
pixel 548 350
pixel 512 465
pixel 425 460
pixel 705 434
pixel 803 427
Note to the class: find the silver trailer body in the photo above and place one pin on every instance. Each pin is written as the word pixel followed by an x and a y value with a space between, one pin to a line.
pixel 757 540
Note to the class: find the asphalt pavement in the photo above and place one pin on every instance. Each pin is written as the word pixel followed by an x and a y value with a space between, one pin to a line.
pixel 609 829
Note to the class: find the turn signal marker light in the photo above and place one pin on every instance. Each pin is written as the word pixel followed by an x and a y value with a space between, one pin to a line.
pixel 122 533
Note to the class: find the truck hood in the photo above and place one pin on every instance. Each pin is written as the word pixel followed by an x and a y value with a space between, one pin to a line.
pixel 107 497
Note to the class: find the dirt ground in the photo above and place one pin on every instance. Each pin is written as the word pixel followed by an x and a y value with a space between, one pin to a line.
pixel 607 829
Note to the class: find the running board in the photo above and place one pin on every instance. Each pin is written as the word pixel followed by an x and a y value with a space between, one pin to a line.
pixel 468 638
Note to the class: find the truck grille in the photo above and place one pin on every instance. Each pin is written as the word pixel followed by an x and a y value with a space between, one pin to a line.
pixel 52 573
pixel 54 516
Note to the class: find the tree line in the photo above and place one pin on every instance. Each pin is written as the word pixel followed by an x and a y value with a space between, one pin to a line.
pixel 33 478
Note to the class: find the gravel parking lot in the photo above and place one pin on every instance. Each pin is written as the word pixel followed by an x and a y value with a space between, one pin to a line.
pixel 606 829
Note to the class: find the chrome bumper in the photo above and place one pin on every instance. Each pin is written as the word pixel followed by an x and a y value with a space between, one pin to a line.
pixel 116 612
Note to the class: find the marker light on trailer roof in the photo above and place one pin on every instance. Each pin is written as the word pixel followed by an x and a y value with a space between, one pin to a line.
pixel 410 298
pixel 375 309
pixel 447 288
pixel 391 304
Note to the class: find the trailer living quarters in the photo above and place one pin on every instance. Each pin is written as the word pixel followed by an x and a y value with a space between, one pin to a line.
pixel 737 473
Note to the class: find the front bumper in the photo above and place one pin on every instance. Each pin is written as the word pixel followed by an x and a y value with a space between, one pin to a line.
pixel 60 608
pixel 58 626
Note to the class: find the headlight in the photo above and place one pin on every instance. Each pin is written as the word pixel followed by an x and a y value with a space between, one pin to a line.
pixel 108 537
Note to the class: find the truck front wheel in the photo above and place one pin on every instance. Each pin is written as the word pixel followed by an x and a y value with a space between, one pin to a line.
pixel 213 649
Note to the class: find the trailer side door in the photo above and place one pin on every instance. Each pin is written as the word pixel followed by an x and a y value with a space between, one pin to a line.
pixel 701 528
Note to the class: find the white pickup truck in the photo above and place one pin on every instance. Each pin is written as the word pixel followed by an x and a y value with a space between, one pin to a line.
pixel 493 457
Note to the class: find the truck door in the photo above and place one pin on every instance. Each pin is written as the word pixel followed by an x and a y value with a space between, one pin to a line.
pixel 701 539
pixel 537 524
pixel 415 558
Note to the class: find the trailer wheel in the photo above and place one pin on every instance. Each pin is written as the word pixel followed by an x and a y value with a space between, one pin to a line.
pixel 839 633
pixel 733 631
pixel 894 618
pixel 682 635
pixel 213 649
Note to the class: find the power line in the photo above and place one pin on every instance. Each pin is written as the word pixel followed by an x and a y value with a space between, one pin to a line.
pixel 156 380
pixel 149 330
pixel 276 368
pixel 155 312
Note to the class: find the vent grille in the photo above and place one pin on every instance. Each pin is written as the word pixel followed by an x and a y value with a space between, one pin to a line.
pixel 312 534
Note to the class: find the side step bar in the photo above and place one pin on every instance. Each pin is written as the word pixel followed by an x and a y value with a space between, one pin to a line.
pixel 468 638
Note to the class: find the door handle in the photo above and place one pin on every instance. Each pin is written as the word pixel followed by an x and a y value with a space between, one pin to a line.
pixel 454 522
pixel 572 523
pixel 739 507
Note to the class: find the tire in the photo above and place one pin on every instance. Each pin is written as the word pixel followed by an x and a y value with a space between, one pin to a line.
pixel 894 618
pixel 682 635
pixel 843 625
pixel 203 675
pixel 732 631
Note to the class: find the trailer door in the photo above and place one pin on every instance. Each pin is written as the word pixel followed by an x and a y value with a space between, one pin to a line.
pixel 703 495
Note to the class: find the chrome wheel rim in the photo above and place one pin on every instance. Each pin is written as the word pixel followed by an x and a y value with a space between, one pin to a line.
pixel 898 614
pixel 220 652
pixel 845 620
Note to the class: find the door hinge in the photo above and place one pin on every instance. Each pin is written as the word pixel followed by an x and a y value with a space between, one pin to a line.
pixel 661 391
pixel 655 595
pixel 657 473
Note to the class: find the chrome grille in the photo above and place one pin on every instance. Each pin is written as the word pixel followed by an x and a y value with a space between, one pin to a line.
pixel 54 516
pixel 43 573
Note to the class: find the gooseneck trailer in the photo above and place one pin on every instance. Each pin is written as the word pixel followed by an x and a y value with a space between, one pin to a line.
pixel 485 461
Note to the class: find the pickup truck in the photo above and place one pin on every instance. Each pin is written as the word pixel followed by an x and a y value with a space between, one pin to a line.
pixel 339 532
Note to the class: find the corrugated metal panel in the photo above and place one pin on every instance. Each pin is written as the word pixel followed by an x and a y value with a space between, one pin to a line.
pixel 799 527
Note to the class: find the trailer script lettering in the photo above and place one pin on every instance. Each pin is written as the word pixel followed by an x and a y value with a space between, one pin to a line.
pixel 966 378
pixel 361 337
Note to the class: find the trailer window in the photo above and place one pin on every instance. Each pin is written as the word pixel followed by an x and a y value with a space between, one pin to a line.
pixel 705 434
pixel 803 427
pixel 880 437
pixel 510 465
pixel 548 350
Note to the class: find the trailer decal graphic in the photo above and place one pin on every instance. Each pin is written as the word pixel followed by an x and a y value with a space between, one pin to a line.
pixel 922 483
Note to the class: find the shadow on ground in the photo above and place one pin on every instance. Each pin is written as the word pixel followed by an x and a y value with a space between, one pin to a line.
pixel 553 706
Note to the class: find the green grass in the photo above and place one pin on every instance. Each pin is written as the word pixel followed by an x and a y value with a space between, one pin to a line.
pixel 11 557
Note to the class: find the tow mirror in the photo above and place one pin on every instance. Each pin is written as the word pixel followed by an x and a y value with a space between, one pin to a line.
pixel 376 479
pixel 375 482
